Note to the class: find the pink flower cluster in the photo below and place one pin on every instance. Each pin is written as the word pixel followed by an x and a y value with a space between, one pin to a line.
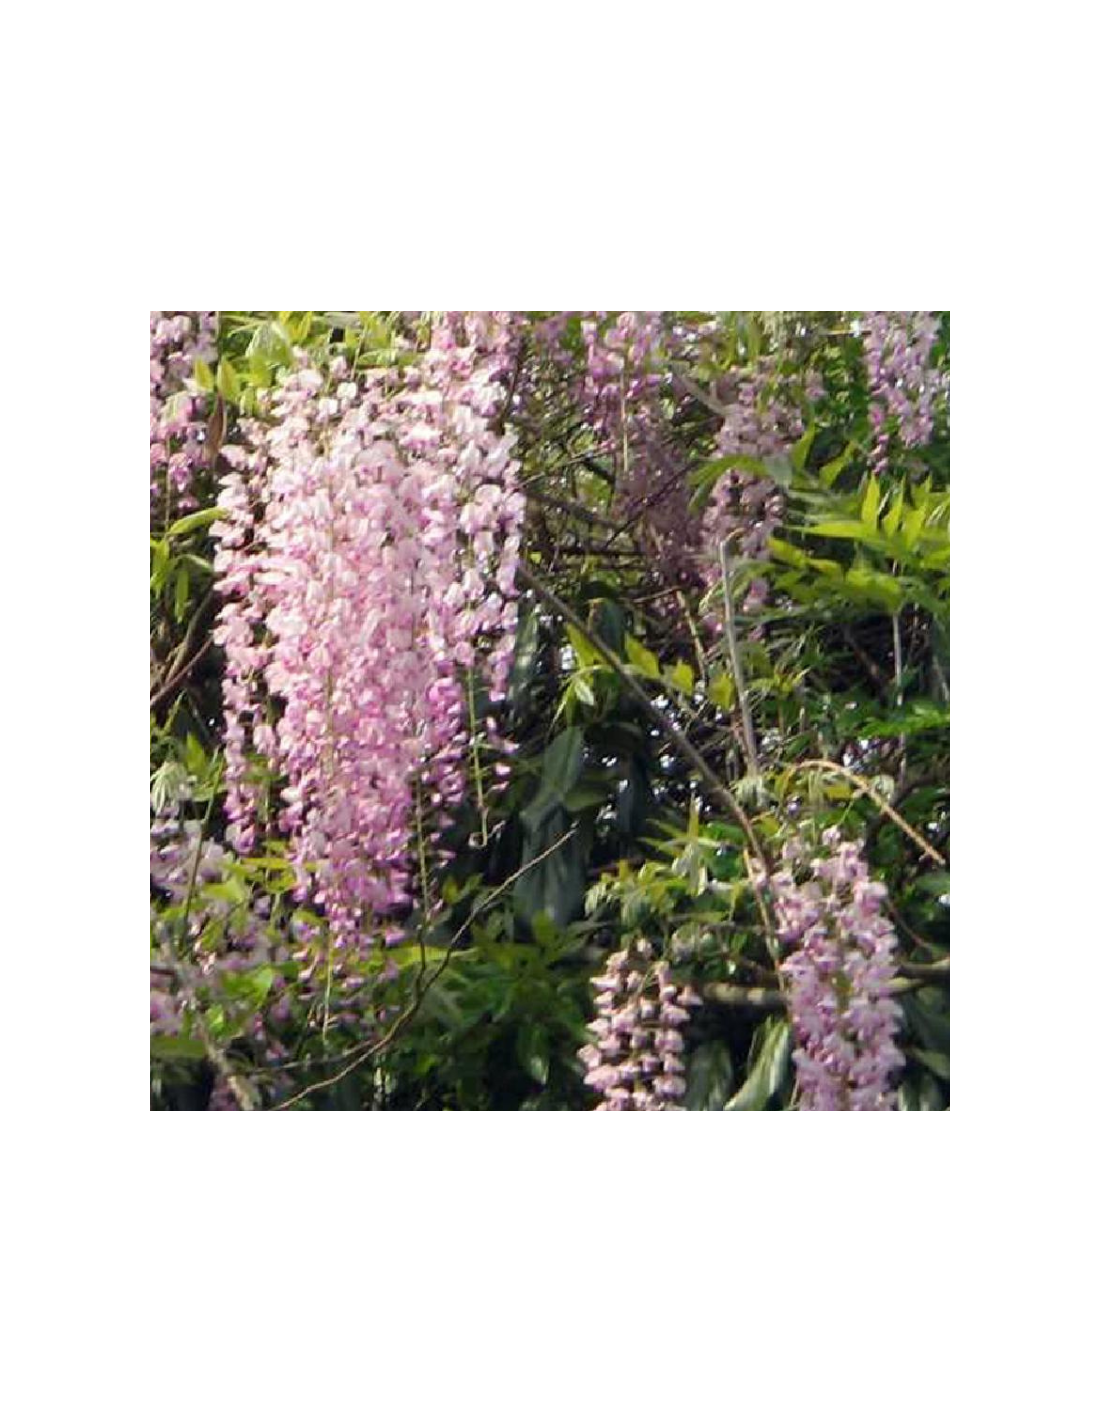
pixel 636 1060
pixel 177 416
pixel 235 935
pixel 620 390
pixel 626 374
pixel 829 910
pixel 762 420
pixel 367 567
pixel 904 384
pixel 245 939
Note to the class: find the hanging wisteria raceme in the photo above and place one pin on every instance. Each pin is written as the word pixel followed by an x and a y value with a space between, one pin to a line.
pixel 904 385
pixel 829 914
pixel 619 392
pixel 221 941
pixel 367 565
pixel 626 374
pixel 746 507
pixel 177 414
pixel 183 864
pixel 636 1060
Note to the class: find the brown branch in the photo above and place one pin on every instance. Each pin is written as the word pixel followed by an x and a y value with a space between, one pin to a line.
pixel 871 667
pixel 571 507
pixel 689 387
pixel 769 999
pixel 159 697
pixel 182 662
pixel 884 805
pixel 932 972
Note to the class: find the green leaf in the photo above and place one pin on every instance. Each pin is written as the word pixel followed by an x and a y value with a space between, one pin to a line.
pixel 911 527
pixel 263 978
pixel 194 757
pixel 525 661
pixel 561 768
pixel 929 1097
pixel 545 930
pixel 769 1070
pixel 554 884
pixel 176 1048
pixel 161 561
pixel 720 691
pixel 229 384
pixel 839 528
pixel 879 588
pixel 778 467
pixel 710 1077
pixel 787 553
pixel 682 678
pixel 259 372
pixel 936 1062
pixel 204 376
pixel 933 1029
pixel 801 450
pixel 582 688
pixel 585 652
pixel 200 565
pixel 917 715
pixel 934 883
pixel 707 475
pixel 832 471
pixel 533 1051
pixel 893 517
pixel 181 593
pixel 642 658
pixel 869 508
pixel 270 346
pixel 190 522
pixel 585 797
pixel 608 621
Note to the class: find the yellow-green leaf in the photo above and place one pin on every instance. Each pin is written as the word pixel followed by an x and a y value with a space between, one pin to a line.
pixel 682 678
pixel 893 517
pixel 800 451
pixel 832 471
pixel 586 654
pixel 229 384
pixel 911 526
pixel 582 690
pixel 869 510
pixel 642 658
pixel 720 691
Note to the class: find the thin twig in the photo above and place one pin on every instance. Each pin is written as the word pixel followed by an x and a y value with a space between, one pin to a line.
pixel 177 671
pixel 733 995
pixel 689 387
pixel 679 740
pixel 884 805
pixel 571 507
pixel 364 1054
pixel 180 676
